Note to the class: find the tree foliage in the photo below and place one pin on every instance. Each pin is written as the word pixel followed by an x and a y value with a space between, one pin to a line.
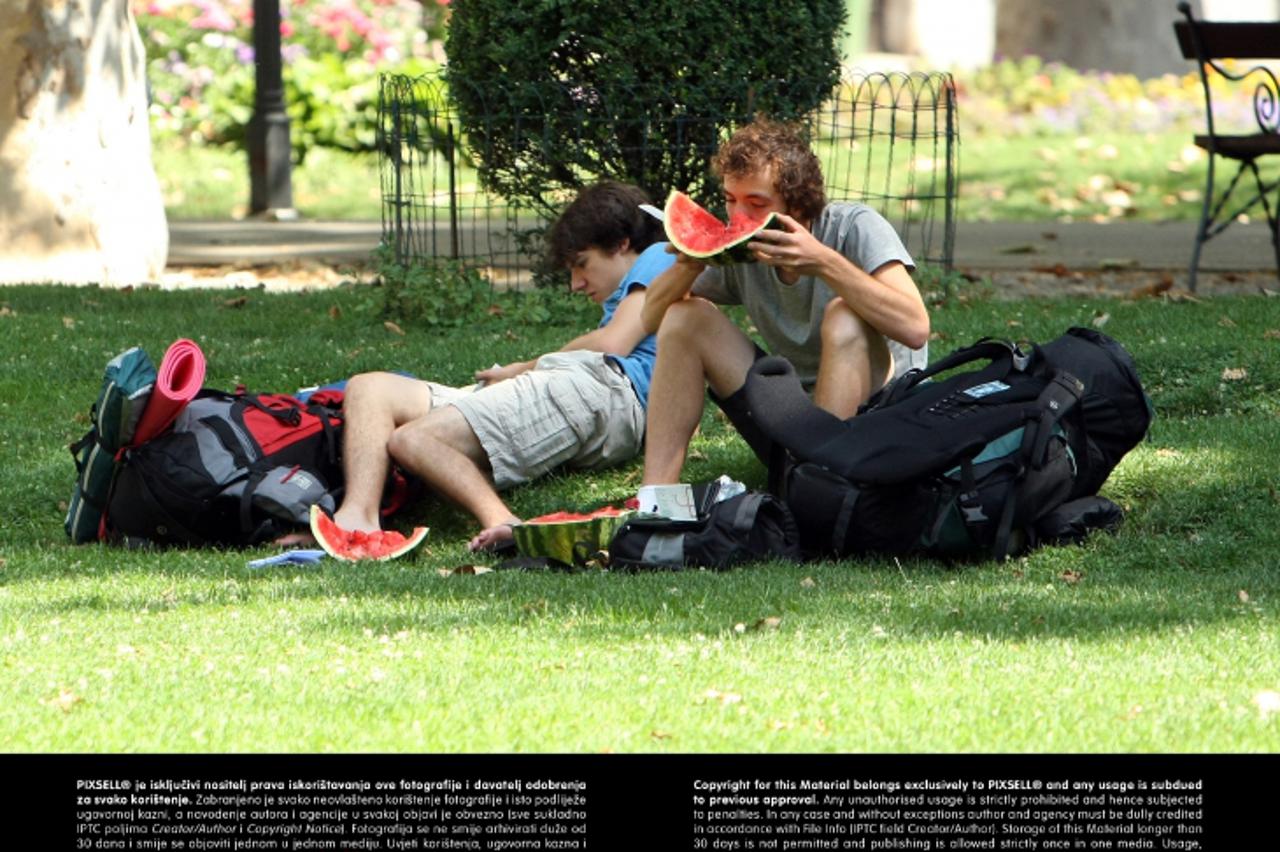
pixel 553 94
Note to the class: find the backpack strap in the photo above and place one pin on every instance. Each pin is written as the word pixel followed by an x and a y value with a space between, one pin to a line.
pixel 745 517
pixel 840 528
pixel 1058 397
pixel 322 413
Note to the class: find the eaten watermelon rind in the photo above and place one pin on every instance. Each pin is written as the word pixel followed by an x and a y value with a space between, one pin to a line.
pixel 722 243
pixel 560 538
pixel 352 546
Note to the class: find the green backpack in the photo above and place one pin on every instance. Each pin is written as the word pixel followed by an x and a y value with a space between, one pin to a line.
pixel 127 383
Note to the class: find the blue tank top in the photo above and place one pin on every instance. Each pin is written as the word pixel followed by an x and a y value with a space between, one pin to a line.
pixel 638 365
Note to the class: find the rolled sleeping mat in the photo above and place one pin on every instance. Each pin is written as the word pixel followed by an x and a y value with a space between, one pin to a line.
pixel 180 378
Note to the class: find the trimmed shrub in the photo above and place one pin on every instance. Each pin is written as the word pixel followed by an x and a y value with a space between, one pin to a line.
pixel 554 94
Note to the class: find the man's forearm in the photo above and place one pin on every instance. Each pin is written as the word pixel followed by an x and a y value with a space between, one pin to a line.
pixel 665 290
pixel 889 301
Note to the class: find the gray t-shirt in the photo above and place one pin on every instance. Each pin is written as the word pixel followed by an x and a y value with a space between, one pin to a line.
pixel 789 316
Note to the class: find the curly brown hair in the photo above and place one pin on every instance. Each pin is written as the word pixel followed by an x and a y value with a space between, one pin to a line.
pixel 797 172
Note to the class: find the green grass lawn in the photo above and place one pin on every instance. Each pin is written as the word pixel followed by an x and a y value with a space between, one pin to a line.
pixel 1019 178
pixel 1161 638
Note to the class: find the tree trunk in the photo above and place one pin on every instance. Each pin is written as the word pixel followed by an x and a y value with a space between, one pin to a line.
pixel 1134 36
pixel 79 199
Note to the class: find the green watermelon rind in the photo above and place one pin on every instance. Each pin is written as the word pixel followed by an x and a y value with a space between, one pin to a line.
pixel 556 539
pixel 731 252
pixel 323 528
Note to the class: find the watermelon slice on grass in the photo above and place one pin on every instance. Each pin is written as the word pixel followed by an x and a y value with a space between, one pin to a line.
pixel 569 537
pixel 698 233
pixel 354 545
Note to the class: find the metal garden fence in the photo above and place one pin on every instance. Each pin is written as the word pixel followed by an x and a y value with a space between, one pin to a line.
pixel 890 140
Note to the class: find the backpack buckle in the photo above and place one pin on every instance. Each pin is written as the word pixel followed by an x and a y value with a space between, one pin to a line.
pixel 971 508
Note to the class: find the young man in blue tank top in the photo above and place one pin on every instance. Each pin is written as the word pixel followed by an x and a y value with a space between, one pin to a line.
pixel 582 406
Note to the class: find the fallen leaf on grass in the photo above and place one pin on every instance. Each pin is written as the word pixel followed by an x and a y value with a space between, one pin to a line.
pixel 1146 291
pixel 1271 334
pixel 807 583
pixel 1022 249
pixel 65 700
pixel 1058 270
pixel 1099 320
pixel 68 322
pixel 238 302
pixel 1167 453
pixel 495 310
pixel 1234 374
pixel 464 569
pixel 1071 577
pixel 1113 263
pixel 725 698
pixel 6 311
pixel 772 622
pixel 335 312
pixel 393 328
pixel 1243 596
pixel 660 735
pixel 3 562
pixel 511 335
pixel 1267 701
pixel 1227 322
pixel 1013 323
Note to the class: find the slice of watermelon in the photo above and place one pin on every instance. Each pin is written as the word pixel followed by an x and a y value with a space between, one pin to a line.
pixel 569 537
pixel 698 233
pixel 354 545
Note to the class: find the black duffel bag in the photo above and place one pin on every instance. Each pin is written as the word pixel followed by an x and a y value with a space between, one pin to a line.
pixel 750 527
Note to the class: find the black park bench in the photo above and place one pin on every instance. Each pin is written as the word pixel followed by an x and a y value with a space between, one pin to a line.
pixel 1212 45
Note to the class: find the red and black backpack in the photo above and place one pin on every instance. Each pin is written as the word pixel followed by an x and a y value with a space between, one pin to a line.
pixel 235 469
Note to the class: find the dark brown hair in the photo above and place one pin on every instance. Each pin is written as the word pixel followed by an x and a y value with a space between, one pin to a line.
pixel 603 216
pixel 796 170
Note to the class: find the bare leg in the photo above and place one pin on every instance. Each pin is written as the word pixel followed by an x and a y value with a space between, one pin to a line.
pixel 697 345
pixel 855 361
pixel 443 450
pixel 374 406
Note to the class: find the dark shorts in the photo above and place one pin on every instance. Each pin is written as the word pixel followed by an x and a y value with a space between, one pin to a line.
pixel 736 409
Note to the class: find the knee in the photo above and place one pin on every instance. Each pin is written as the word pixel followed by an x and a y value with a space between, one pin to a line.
pixel 844 330
pixel 364 387
pixel 686 322
pixel 404 439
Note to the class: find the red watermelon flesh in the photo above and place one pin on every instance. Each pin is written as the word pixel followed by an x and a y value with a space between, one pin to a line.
pixel 698 233
pixel 561 517
pixel 354 545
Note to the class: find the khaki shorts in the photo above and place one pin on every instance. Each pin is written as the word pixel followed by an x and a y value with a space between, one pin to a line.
pixel 573 408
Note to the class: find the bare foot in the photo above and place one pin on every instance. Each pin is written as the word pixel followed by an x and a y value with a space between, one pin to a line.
pixel 494 537
pixel 355 522
pixel 301 538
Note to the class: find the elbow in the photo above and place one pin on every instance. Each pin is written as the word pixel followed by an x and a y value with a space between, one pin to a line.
pixel 917 333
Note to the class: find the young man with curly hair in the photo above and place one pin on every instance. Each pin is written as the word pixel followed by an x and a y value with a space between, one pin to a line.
pixel 582 406
pixel 830 289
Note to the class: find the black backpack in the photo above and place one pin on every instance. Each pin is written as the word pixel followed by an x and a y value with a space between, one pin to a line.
pixel 748 527
pixel 235 469
pixel 992 461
